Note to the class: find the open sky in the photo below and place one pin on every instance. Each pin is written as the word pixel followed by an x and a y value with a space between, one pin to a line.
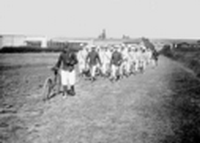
pixel 87 18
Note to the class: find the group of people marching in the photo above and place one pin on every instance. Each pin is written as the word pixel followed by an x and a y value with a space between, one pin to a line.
pixel 114 62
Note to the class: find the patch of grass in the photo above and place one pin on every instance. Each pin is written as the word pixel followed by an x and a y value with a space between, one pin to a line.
pixel 189 57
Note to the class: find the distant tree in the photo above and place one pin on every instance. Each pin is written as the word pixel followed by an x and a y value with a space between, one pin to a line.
pixel 148 44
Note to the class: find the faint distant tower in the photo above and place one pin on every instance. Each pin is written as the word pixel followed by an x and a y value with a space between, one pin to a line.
pixel 125 37
pixel 102 35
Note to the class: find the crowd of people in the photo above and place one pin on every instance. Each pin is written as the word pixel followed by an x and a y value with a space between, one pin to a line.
pixel 114 62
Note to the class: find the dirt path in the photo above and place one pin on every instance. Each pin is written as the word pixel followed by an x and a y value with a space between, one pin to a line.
pixel 146 108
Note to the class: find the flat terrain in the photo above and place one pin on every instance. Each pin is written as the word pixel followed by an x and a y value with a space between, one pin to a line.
pixel 159 106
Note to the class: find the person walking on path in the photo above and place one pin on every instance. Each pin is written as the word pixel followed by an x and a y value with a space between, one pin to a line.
pixel 93 60
pixel 66 63
pixel 116 61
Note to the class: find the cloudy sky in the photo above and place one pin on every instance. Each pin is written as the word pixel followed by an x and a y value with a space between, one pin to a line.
pixel 87 18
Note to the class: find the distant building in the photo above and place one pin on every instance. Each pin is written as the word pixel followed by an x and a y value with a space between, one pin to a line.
pixel 125 37
pixel 33 44
pixel 12 41
pixel 55 44
pixel 36 41
pixel 22 41
pixel 106 42
pixel 61 42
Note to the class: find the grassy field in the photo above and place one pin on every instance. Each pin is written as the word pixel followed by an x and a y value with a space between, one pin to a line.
pixel 21 76
pixel 142 108
pixel 188 57
pixel 24 74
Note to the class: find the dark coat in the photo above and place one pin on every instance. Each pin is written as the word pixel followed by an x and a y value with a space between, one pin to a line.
pixel 116 58
pixel 93 58
pixel 67 61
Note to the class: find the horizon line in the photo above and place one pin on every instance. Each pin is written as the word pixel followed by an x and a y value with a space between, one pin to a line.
pixel 93 37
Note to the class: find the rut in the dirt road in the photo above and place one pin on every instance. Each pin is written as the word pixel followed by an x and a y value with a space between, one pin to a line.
pixel 146 107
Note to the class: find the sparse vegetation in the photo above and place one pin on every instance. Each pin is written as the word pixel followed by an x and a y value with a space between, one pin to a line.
pixel 152 107
pixel 190 57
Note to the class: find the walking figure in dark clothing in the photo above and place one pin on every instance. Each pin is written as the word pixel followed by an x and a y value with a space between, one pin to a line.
pixel 66 63
pixel 93 60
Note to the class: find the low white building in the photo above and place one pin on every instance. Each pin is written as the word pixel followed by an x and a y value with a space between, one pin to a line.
pixel 12 41
pixel 21 40
pixel 42 40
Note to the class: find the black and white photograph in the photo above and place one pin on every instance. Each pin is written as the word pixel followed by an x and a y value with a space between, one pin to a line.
pixel 99 71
